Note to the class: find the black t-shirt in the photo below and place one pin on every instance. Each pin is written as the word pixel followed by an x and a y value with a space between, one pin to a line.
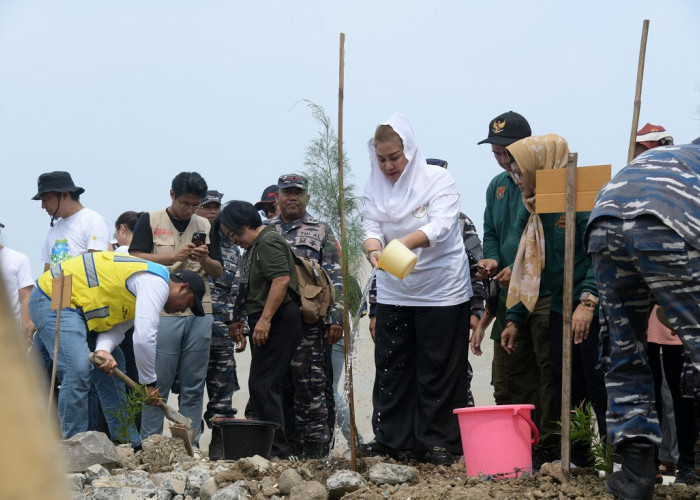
pixel 142 240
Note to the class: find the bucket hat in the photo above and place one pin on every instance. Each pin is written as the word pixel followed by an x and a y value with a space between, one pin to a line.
pixel 56 182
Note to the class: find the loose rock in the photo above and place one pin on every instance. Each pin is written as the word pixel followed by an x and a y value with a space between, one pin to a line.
pixel 134 485
pixel 175 482
pixel 255 466
pixel 308 490
pixel 208 489
pixel 384 473
pixel 95 471
pixel 76 482
pixel 86 449
pixel 236 491
pixel 288 480
pixel 344 481
pixel 195 478
pixel 554 471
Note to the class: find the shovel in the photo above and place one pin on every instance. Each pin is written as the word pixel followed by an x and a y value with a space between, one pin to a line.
pixel 182 427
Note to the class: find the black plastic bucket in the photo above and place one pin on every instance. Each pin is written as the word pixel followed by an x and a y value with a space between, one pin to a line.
pixel 234 438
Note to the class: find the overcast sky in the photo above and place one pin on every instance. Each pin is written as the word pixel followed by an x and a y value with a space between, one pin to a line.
pixel 126 94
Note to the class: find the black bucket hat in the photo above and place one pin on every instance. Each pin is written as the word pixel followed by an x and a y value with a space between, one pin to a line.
pixel 56 182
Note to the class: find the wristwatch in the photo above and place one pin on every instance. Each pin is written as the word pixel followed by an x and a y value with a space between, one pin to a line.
pixel 589 300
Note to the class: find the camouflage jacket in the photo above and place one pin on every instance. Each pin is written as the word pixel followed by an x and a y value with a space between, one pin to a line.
pixel 475 252
pixel 224 289
pixel 314 240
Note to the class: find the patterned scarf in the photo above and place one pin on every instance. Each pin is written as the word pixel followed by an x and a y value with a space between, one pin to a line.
pixel 531 154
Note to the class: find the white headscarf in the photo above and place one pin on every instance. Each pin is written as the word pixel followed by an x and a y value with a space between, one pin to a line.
pixel 418 184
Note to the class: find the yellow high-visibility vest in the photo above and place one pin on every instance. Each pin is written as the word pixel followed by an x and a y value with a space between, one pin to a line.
pixel 99 286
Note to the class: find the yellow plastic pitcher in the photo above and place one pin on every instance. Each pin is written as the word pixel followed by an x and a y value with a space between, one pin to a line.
pixel 397 259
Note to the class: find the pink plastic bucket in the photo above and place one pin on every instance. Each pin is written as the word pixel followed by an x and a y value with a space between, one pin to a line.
pixel 497 440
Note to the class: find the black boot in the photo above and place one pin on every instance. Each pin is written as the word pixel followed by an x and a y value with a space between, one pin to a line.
pixel 636 479
pixel 315 449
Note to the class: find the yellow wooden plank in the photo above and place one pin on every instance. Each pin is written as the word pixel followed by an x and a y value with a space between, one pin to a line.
pixel 551 188
pixel 587 179
pixel 551 203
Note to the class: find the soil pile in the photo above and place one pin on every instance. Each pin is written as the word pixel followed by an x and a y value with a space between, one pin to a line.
pixel 162 471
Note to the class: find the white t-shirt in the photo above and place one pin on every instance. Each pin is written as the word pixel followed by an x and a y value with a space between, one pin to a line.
pixel 83 231
pixel 151 293
pixel 441 275
pixel 16 274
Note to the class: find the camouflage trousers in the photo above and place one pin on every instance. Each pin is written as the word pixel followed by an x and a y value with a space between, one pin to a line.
pixel 222 380
pixel 309 389
pixel 639 262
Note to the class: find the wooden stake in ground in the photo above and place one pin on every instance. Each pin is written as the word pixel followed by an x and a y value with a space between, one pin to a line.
pixel 570 191
pixel 567 305
pixel 638 91
pixel 344 259
pixel 59 286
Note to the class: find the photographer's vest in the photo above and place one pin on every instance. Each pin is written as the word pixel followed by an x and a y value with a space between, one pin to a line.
pixel 167 239
pixel 99 286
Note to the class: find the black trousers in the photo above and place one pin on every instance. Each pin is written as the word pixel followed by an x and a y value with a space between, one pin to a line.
pixel 587 382
pixel 268 365
pixel 420 357
pixel 671 364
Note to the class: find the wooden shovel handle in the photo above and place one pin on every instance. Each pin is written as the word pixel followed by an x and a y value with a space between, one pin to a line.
pixel 99 360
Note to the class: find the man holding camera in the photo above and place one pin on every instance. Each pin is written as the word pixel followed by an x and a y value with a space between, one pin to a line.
pixel 179 239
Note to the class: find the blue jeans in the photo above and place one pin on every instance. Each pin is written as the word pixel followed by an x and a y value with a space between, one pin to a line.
pixel 182 351
pixel 342 412
pixel 75 371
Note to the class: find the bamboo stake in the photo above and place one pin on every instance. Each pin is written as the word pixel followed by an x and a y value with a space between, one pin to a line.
pixel 567 306
pixel 58 330
pixel 638 91
pixel 344 260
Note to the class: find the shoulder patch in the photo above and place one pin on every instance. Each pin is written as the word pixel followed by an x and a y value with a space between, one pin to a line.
pixel 500 192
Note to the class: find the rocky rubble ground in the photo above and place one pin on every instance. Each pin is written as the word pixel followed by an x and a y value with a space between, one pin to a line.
pixel 164 471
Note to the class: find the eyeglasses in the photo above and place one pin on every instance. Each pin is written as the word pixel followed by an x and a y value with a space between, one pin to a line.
pixel 229 234
pixel 188 206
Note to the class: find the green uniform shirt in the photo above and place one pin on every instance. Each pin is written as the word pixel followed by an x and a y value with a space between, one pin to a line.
pixel 505 217
pixel 553 273
pixel 272 258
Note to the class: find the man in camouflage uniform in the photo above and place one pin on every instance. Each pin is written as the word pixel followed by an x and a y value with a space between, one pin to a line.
pixel 314 406
pixel 221 380
pixel 644 241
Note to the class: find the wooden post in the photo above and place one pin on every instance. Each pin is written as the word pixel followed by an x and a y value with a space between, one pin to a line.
pixel 59 306
pixel 344 258
pixel 567 304
pixel 568 190
pixel 638 91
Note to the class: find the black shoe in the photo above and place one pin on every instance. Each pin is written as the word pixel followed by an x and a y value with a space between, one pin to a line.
pixel 315 450
pixel 216 446
pixel 375 449
pixel 296 448
pixel 687 476
pixel 636 479
pixel 440 456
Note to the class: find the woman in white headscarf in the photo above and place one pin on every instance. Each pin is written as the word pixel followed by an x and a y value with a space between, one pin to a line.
pixel 422 329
